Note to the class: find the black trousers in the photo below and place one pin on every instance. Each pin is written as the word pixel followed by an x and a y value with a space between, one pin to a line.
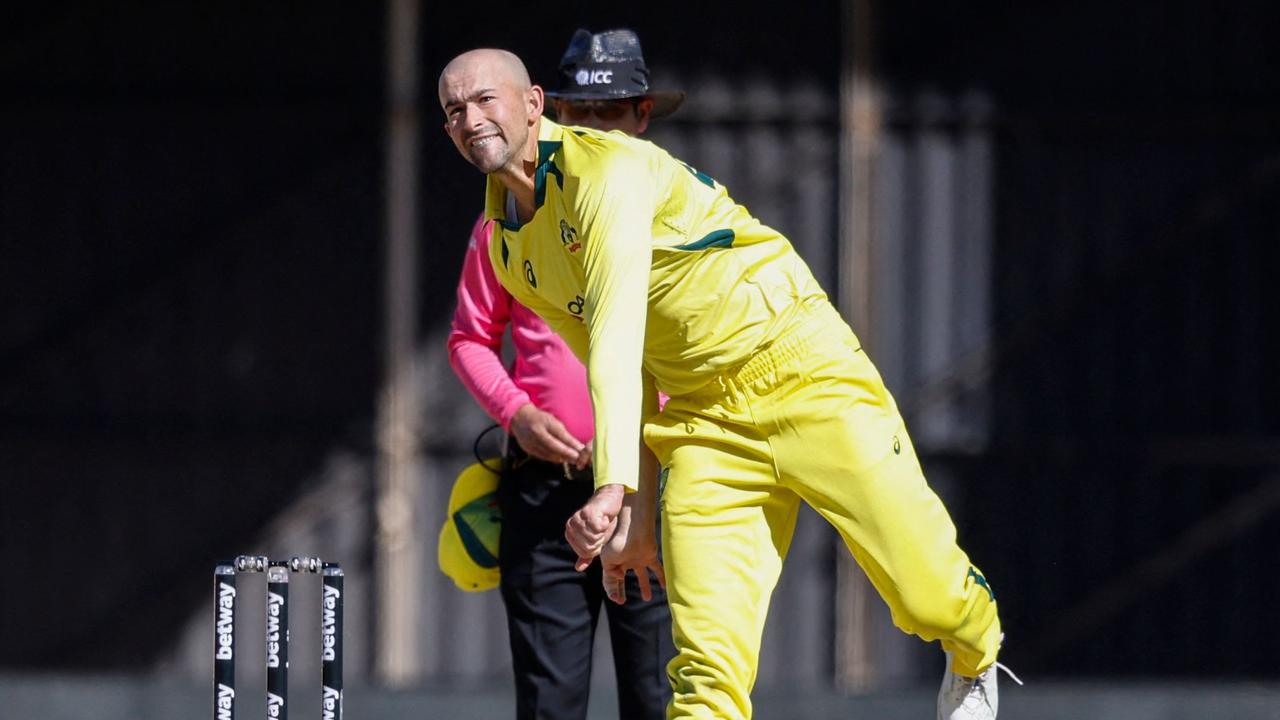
pixel 552 609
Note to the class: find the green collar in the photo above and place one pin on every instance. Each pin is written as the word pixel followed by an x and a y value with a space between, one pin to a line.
pixel 548 144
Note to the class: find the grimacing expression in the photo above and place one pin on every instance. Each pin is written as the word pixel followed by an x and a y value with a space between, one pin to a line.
pixel 487 115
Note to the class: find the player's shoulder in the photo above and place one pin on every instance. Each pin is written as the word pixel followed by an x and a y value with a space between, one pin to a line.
pixel 589 153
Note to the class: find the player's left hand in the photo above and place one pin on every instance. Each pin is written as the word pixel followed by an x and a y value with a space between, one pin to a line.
pixel 630 549
pixel 594 523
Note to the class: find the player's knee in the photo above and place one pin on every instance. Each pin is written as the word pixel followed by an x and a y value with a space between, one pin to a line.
pixel 933 615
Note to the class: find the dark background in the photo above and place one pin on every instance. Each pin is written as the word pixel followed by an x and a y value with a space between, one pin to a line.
pixel 191 221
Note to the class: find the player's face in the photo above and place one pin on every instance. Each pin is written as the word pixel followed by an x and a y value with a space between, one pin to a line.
pixel 488 117
pixel 630 115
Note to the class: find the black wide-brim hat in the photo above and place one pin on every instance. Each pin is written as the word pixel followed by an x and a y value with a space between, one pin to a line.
pixel 610 66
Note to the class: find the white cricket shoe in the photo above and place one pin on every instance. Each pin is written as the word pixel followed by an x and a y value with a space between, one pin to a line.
pixel 966 698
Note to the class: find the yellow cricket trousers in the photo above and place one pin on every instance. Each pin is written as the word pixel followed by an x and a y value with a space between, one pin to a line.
pixel 806 419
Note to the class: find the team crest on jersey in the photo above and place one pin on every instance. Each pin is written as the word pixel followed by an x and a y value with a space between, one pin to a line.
pixel 569 237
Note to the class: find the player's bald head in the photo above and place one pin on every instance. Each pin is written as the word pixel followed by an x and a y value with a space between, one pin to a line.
pixel 491 109
pixel 494 66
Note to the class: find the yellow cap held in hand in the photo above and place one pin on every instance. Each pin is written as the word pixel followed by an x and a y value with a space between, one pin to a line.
pixel 468 546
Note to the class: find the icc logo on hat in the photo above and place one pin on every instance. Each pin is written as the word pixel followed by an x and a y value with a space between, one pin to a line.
pixel 593 77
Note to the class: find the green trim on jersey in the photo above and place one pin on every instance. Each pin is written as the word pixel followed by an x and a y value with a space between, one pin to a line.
pixel 718 238
pixel 546 148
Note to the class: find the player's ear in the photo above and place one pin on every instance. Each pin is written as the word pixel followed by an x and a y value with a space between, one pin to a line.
pixel 536 102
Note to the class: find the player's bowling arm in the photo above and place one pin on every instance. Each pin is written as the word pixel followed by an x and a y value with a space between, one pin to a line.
pixel 616 220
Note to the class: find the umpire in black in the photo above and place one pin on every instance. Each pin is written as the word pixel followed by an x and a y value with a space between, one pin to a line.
pixel 552 609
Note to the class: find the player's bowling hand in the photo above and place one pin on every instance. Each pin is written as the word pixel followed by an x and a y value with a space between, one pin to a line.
pixel 593 523
pixel 633 549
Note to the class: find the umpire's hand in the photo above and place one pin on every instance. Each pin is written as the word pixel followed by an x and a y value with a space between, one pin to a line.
pixel 543 436
pixel 592 525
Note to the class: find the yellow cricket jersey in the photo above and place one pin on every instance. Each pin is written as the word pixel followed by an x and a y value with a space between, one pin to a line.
pixel 650 272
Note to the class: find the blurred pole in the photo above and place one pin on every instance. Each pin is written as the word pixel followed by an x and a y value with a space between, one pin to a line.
pixel 855 663
pixel 399 554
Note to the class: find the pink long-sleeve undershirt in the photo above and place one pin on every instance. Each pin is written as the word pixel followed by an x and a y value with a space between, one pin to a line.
pixel 545 371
